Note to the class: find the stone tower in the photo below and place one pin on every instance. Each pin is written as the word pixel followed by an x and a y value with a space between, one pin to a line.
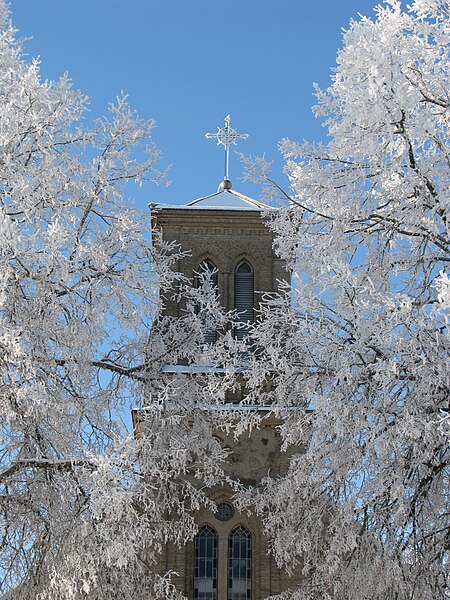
pixel 225 233
pixel 226 230
pixel 229 559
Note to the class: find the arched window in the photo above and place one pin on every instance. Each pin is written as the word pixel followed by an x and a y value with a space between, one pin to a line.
pixel 240 564
pixel 244 296
pixel 208 268
pixel 205 573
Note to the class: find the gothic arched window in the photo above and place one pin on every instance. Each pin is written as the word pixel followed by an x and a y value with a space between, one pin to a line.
pixel 207 267
pixel 205 573
pixel 240 564
pixel 244 296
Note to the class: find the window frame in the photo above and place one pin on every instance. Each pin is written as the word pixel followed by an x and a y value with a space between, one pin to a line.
pixel 224 584
pixel 240 556
pixel 241 302
pixel 207 264
pixel 201 563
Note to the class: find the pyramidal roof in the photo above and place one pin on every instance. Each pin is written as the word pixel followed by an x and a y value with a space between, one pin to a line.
pixel 227 199
pixel 223 199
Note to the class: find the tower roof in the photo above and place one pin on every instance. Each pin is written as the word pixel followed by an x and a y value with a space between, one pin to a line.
pixel 221 200
pixel 228 199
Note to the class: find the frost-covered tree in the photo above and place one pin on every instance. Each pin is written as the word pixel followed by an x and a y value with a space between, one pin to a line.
pixel 360 344
pixel 79 281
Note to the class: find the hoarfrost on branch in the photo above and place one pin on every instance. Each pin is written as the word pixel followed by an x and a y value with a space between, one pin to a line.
pixel 80 285
pixel 361 341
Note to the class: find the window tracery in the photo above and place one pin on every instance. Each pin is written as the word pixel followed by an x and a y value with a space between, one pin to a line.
pixel 229 570
pixel 239 564
pixel 205 569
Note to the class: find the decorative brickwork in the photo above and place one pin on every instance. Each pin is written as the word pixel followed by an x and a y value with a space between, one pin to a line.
pixel 226 237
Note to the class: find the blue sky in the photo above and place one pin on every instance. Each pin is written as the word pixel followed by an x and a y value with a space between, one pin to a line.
pixel 188 63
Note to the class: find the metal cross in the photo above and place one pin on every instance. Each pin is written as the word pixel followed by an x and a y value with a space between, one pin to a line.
pixel 226 136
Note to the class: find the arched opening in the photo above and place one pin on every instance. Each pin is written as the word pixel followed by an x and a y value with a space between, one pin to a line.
pixel 208 269
pixel 240 564
pixel 205 568
pixel 244 297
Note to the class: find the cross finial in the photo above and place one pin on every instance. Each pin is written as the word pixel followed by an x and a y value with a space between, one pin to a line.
pixel 226 136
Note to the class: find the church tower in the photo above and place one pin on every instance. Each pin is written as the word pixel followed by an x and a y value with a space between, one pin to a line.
pixel 225 233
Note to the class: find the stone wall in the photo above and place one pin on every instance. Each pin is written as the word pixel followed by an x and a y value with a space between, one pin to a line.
pixel 225 237
pixel 252 458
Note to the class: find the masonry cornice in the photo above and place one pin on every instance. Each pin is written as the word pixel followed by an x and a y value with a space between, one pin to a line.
pixel 209 218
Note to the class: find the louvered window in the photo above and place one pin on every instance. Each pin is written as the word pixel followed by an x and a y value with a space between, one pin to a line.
pixel 205 575
pixel 244 297
pixel 210 336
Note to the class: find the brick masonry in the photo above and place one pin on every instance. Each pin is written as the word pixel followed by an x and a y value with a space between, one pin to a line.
pixel 226 237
